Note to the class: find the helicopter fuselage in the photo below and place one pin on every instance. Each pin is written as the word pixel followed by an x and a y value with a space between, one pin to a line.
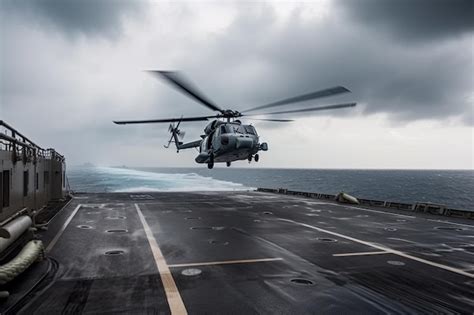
pixel 226 142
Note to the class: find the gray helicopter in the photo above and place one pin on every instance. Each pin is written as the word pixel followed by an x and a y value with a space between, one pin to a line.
pixel 226 138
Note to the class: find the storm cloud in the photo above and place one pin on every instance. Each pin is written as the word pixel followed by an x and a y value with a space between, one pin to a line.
pixel 72 17
pixel 414 20
pixel 260 59
pixel 408 62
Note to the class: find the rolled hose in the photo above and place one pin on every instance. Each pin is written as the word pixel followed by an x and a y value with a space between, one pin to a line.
pixel 11 231
pixel 32 252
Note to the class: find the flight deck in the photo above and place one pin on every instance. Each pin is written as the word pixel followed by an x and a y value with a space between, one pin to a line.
pixel 246 253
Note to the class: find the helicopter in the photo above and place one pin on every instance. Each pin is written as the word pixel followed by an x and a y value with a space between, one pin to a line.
pixel 226 138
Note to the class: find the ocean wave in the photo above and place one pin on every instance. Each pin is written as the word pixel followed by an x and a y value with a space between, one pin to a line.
pixel 128 180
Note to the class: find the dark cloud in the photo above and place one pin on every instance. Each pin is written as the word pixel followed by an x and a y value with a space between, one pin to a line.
pixel 258 60
pixel 73 17
pixel 414 20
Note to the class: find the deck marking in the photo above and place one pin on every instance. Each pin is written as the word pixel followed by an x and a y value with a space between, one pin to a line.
pixel 447 222
pixel 383 212
pixel 224 262
pixel 171 290
pixel 360 254
pixel 383 248
pixel 61 230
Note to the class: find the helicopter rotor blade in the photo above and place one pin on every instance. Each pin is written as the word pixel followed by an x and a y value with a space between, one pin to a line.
pixel 153 121
pixel 180 83
pixel 275 120
pixel 305 97
pixel 327 107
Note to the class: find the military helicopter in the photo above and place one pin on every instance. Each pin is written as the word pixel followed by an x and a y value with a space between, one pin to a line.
pixel 226 138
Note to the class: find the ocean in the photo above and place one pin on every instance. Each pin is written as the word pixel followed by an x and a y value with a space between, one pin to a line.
pixel 454 188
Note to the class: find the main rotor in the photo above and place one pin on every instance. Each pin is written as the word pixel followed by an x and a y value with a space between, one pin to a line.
pixel 178 81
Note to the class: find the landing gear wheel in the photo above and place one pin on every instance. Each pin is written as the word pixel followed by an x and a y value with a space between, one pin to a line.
pixel 227 163
pixel 210 165
pixel 256 157
pixel 249 158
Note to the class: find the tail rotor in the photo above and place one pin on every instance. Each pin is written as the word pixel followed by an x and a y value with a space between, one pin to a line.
pixel 175 134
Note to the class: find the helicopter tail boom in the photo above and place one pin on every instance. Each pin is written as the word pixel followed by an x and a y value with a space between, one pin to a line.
pixel 176 135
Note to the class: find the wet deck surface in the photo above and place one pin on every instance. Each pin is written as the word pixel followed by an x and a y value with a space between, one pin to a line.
pixel 252 253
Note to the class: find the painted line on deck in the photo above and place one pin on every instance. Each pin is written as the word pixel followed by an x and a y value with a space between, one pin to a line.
pixel 224 262
pixel 376 211
pixel 171 290
pixel 61 230
pixel 447 222
pixel 360 254
pixel 383 248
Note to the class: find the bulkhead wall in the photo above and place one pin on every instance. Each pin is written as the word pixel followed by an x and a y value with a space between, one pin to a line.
pixel 30 184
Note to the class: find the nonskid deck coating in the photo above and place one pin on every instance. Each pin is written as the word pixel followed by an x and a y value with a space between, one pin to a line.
pixel 252 253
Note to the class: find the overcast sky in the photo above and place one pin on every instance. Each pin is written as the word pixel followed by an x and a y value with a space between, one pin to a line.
pixel 68 68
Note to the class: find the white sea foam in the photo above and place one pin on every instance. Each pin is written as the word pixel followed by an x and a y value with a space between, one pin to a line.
pixel 128 180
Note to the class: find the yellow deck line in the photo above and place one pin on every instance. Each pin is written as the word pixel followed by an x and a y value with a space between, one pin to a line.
pixel 224 262
pixel 171 290
pixel 360 254
pixel 61 230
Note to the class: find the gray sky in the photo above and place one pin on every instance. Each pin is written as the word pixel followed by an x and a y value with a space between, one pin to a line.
pixel 68 68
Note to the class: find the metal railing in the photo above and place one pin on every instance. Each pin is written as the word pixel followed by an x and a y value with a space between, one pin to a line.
pixel 416 207
pixel 22 147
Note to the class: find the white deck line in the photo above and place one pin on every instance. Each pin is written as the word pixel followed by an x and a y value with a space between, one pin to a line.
pixel 61 230
pixel 387 249
pixel 448 222
pixel 376 211
pixel 360 254
pixel 171 290
pixel 224 262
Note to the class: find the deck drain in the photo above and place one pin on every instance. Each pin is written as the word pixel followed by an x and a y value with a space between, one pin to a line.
pixel 326 239
pixel 216 242
pixel 449 228
pixel 193 218
pixel 268 212
pixel 396 263
pixel 117 231
pixel 390 229
pixel 114 252
pixel 191 272
pixel 118 217
pixel 300 281
pixel 85 227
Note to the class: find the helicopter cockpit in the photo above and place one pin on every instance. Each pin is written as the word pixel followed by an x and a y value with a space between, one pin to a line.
pixel 238 129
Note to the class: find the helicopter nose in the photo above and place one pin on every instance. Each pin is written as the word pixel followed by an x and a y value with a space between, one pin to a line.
pixel 244 143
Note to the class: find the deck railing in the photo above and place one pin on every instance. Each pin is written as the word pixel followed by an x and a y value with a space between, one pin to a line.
pixel 22 147
pixel 430 208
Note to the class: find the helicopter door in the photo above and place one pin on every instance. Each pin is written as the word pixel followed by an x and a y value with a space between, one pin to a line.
pixel 203 147
pixel 210 139
pixel 216 139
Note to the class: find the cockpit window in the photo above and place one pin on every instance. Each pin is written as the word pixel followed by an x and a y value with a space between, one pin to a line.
pixel 223 130
pixel 250 130
pixel 231 128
